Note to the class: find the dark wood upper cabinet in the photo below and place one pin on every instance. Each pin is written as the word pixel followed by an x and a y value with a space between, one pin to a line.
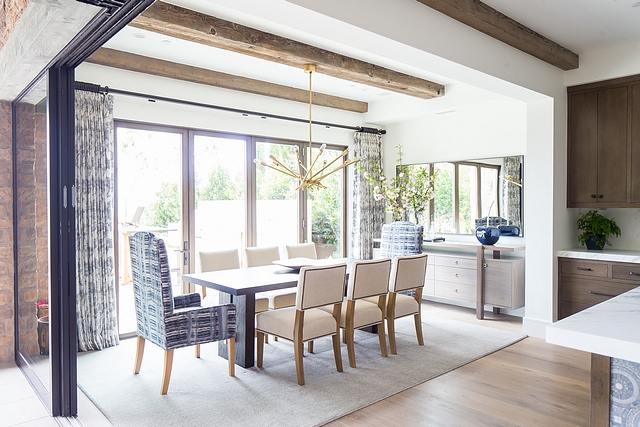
pixel 603 167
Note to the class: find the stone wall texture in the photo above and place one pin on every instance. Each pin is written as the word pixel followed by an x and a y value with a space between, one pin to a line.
pixel 6 237
pixel 10 13
pixel 33 268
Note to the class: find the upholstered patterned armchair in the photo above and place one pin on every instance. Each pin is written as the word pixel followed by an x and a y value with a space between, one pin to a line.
pixel 167 321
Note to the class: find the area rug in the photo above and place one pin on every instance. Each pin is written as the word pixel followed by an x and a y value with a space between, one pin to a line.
pixel 202 394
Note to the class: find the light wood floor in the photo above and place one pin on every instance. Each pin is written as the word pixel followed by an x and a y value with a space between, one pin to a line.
pixel 530 383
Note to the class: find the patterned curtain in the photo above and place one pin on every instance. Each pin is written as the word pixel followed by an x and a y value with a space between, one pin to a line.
pixel 368 213
pixel 96 298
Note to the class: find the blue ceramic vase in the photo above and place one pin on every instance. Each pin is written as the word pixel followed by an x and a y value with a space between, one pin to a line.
pixel 487 235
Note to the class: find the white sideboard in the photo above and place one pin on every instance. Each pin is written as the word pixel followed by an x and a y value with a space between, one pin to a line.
pixel 475 273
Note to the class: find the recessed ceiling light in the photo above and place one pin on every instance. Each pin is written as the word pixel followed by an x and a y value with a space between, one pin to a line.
pixel 138 35
pixel 166 42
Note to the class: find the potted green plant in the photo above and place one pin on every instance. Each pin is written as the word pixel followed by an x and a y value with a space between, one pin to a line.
pixel 596 229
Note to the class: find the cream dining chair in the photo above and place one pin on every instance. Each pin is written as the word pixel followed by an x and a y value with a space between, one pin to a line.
pixel 407 273
pixel 365 302
pixel 224 260
pixel 259 256
pixel 301 250
pixel 317 287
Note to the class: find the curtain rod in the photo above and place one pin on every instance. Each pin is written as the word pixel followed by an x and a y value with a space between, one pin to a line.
pixel 91 87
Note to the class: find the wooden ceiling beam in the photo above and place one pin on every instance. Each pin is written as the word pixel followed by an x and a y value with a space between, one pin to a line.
pixel 173 70
pixel 489 21
pixel 186 24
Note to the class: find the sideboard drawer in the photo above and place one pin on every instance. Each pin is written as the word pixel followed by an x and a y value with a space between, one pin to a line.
pixel 584 268
pixel 626 272
pixel 457 262
pixel 456 275
pixel 456 290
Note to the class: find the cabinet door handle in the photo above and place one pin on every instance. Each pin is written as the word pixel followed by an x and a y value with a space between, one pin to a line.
pixel 485 265
pixel 455 262
pixel 593 196
pixel 600 196
pixel 455 274
pixel 455 290
pixel 633 274
pixel 584 269
pixel 601 294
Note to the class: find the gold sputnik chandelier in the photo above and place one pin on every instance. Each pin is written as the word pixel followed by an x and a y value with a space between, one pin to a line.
pixel 305 174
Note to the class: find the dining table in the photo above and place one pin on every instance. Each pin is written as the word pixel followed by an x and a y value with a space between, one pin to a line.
pixel 239 286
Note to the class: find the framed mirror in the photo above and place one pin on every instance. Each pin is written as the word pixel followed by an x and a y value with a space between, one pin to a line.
pixel 477 192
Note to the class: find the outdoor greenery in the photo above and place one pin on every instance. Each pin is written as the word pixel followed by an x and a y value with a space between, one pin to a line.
pixel 271 185
pixel 409 191
pixel 597 226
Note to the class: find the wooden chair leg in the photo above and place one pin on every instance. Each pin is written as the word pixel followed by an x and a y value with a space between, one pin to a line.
pixel 204 292
pixel 381 338
pixel 351 346
pixel 166 376
pixel 139 353
pixel 391 330
pixel 310 346
pixel 231 353
pixel 418 321
pixel 336 352
pixel 198 351
pixel 260 349
pixel 298 348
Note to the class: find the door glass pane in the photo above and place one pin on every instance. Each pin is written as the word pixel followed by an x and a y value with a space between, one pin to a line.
pixel 467 198
pixel 33 232
pixel 149 181
pixel 489 189
pixel 325 210
pixel 276 197
pixel 443 199
pixel 220 219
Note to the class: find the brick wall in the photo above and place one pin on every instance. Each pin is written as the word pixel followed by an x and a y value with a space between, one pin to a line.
pixel 32 224
pixel 10 12
pixel 6 237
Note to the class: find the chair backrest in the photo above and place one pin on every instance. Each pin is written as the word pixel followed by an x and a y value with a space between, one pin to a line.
pixel 255 257
pixel 218 260
pixel 369 278
pixel 320 286
pixel 151 286
pixel 408 272
pixel 401 238
pixel 301 250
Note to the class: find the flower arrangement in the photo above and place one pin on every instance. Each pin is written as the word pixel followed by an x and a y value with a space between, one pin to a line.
pixel 410 190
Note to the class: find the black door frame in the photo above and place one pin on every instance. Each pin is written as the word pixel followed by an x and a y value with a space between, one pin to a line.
pixel 112 18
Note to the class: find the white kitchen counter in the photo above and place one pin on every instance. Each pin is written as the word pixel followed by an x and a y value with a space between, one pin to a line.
pixel 610 328
pixel 616 255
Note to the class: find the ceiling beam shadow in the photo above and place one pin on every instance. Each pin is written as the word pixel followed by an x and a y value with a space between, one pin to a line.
pixel 197 27
pixel 493 23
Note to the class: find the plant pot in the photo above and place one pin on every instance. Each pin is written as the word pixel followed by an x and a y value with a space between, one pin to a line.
pixel 43 335
pixel 592 245
pixel 487 235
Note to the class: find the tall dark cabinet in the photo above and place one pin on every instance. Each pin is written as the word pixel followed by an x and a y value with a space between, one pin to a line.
pixel 604 144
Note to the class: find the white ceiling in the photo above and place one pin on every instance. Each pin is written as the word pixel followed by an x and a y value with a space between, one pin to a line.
pixel 579 25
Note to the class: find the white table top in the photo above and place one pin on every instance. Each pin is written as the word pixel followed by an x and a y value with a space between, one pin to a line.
pixel 617 255
pixel 609 328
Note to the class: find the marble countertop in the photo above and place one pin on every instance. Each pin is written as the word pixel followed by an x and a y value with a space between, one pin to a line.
pixel 617 255
pixel 609 328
